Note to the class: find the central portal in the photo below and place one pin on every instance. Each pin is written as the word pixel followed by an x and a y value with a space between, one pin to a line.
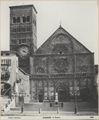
pixel 62 96
pixel 63 93
pixel 41 97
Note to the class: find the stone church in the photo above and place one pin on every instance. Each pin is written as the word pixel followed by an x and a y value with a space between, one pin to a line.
pixel 61 65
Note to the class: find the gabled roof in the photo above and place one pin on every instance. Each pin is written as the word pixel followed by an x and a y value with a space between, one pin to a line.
pixel 60 31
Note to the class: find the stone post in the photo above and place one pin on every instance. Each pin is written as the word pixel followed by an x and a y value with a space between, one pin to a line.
pixel 56 97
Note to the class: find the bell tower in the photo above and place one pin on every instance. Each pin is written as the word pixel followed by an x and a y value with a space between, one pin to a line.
pixel 23 35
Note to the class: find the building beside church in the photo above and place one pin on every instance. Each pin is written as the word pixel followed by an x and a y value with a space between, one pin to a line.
pixel 9 69
pixel 14 81
pixel 61 65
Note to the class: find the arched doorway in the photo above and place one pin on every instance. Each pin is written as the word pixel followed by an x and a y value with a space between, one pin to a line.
pixel 63 92
pixel 41 95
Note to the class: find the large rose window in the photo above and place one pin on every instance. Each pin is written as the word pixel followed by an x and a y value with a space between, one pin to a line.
pixel 61 65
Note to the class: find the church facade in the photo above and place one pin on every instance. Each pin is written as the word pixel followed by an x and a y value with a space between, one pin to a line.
pixel 62 65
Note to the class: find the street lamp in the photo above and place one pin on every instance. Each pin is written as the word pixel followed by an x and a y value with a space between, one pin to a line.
pixel 76 93
pixel 22 94
pixel 75 90
pixel 75 100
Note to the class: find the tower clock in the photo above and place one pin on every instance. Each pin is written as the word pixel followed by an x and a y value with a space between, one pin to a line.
pixel 23 34
pixel 23 51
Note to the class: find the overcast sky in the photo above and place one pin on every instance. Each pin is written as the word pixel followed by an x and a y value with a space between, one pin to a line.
pixel 79 18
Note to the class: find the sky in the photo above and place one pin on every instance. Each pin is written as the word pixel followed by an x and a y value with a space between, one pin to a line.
pixel 78 17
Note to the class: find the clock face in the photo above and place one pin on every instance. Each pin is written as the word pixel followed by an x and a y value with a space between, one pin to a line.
pixel 23 51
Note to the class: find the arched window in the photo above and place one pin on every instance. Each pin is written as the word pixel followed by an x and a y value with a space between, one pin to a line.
pixel 14 20
pixel 28 18
pixel 24 19
pixel 18 19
